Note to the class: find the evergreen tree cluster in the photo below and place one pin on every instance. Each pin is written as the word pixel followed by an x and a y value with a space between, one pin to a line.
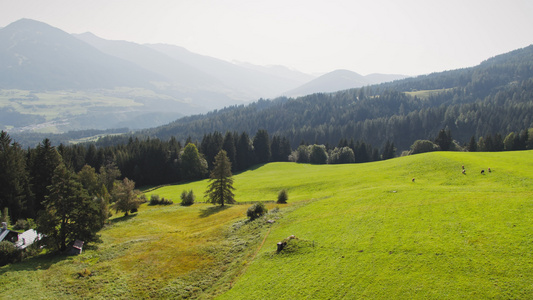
pixel 67 204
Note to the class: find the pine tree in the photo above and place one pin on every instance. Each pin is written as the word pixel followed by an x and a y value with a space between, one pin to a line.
pixel 229 146
pixel 472 146
pixel 262 146
pixel 389 151
pixel 275 147
pixel 210 146
pixel 69 212
pixel 285 149
pixel 14 177
pixel 45 160
pixel 220 188
pixel 444 140
pixel 244 152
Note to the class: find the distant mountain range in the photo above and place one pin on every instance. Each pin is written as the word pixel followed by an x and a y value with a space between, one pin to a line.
pixel 124 84
pixel 485 102
pixel 35 56
pixel 340 80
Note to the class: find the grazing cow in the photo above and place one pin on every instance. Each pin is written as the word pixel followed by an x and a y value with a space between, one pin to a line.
pixel 489 170
pixel 482 172
pixel 463 167
pixel 413 180
pixel 464 172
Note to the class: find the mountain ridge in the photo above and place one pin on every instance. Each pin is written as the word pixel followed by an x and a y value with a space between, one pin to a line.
pixel 340 79
pixel 35 55
pixel 490 98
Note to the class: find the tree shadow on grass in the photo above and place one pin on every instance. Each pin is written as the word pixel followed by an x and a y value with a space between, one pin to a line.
pixel 35 263
pixel 252 168
pixel 204 213
pixel 122 219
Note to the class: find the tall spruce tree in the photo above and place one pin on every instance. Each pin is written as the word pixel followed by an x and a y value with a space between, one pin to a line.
pixel 284 149
pixel 444 140
pixel 69 212
pixel 220 188
pixel 210 146
pixel 244 152
pixel 389 151
pixel 44 160
pixel 229 146
pixel 262 146
pixel 14 177
pixel 472 146
pixel 275 148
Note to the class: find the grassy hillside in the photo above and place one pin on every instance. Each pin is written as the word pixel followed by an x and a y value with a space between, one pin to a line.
pixel 380 235
pixel 363 231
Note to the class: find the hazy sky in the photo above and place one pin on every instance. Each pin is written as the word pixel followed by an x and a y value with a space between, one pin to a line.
pixel 408 37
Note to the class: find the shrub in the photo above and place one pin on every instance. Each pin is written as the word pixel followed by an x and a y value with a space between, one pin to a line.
pixel 318 155
pixel 156 200
pixel 142 198
pixel 8 253
pixel 283 196
pixel 22 224
pixel 344 155
pixel 257 210
pixel 187 198
pixel 422 146
pixel 300 155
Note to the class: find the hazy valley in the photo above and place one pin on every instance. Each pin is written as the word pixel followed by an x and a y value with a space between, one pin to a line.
pixel 119 84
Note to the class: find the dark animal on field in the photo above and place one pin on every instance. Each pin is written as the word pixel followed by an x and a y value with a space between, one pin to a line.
pixel 483 172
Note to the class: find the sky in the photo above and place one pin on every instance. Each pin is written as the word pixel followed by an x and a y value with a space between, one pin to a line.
pixel 408 37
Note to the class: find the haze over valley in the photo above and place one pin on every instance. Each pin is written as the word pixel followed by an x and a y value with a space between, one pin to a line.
pixel 52 81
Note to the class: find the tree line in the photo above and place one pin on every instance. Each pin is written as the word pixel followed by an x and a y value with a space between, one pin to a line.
pixel 26 174
pixel 366 115
pixel 69 190
pixel 493 97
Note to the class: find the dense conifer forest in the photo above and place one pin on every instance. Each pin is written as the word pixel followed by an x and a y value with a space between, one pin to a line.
pixel 493 97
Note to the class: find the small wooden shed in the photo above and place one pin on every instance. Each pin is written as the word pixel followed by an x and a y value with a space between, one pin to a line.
pixel 76 248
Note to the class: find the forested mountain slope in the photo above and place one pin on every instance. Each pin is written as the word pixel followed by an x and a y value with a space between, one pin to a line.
pixel 493 97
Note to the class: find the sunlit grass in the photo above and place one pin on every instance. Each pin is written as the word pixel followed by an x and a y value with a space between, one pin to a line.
pixel 446 235
pixel 364 230
pixel 424 94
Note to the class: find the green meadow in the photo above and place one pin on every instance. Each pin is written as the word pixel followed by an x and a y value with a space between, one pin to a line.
pixel 425 94
pixel 53 104
pixel 362 231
